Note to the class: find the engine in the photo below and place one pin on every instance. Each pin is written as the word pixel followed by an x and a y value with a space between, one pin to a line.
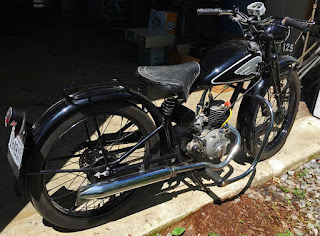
pixel 212 141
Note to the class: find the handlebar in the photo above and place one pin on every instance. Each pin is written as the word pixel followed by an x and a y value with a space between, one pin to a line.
pixel 304 26
pixel 235 14
pixel 287 21
pixel 213 12
pixel 243 19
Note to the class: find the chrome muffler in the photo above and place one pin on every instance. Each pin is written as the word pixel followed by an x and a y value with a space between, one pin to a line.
pixel 147 177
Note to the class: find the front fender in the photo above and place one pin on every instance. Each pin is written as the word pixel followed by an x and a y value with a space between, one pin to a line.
pixel 58 112
pixel 287 61
pixel 247 103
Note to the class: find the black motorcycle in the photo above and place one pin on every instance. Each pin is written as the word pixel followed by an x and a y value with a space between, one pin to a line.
pixel 90 156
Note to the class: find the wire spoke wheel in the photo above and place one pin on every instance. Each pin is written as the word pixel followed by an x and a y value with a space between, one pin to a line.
pixel 77 144
pixel 263 121
pixel 79 147
pixel 284 117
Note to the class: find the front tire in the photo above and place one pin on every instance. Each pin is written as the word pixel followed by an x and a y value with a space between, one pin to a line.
pixel 74 144
pixel 258 121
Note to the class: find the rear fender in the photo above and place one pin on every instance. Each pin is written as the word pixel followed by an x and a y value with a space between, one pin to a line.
pixel 58 112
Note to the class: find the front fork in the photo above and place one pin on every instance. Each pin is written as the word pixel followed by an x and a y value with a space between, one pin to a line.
pixel 274 71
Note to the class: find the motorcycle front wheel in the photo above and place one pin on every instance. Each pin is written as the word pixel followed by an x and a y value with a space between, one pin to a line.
pixel 75 144
pixel 259 120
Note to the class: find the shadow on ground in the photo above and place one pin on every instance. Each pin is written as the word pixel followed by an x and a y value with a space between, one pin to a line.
pixel 165 191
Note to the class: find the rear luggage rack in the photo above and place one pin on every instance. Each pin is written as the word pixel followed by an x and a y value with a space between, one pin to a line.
pixel 73 92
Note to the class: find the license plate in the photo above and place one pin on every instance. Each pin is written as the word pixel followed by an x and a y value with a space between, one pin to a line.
pixel 16 148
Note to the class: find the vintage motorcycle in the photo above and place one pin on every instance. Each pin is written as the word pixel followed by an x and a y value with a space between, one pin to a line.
pixel 91 155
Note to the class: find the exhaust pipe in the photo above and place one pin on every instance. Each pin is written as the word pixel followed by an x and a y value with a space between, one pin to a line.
pixel 147 177
pixel 122 184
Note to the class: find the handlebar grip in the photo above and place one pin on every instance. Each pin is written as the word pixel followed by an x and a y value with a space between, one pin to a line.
pixel 208 11
pixel 213 12
pixel 287 21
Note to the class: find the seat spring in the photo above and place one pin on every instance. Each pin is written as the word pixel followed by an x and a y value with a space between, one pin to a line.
pixel 143 87
pixel 168 105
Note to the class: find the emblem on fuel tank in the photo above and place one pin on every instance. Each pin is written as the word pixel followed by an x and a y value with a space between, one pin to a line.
pixel 249 67
pixel 235 64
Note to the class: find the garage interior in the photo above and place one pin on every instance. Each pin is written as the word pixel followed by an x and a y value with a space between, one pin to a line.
pixel 48 44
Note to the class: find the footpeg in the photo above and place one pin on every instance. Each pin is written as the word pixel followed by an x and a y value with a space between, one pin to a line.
pixel 215 177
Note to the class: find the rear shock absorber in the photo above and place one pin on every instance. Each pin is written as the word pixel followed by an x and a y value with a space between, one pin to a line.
pixel 168 105
pixel 143 87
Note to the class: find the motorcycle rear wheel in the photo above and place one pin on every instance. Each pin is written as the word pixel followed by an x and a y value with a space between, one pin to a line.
pixel 258 122
pixel 73 145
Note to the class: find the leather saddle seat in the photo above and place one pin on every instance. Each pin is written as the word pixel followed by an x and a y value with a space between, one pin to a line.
pixel 176 79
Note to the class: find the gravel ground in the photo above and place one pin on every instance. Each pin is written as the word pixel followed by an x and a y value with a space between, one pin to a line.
pixel 298 190
pixel 284 206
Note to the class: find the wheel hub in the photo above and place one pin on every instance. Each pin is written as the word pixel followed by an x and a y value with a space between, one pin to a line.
pixel 93 158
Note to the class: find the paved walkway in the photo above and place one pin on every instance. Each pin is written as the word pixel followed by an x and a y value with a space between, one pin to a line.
pixel 173 200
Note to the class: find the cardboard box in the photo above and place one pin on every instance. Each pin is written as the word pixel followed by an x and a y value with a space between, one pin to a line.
pixel 163 20
pixel 186 58
pixel 175 58
pixel 151 56
pixel 150 38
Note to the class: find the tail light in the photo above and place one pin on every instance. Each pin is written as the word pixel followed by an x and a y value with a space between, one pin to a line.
pixel 14 118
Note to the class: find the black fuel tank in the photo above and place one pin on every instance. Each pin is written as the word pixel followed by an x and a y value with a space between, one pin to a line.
pixel 230 62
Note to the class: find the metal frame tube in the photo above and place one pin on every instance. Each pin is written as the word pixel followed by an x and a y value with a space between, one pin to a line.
pixel 143 178
pixel 264 142
pixel 309 67
pixel 306 53
pixel 307 38
pixel 124 156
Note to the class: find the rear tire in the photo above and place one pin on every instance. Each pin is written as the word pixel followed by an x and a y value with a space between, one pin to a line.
pixel 255 130
pixel 54 207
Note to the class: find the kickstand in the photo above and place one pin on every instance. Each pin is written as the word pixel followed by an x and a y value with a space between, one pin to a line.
pixel 200 182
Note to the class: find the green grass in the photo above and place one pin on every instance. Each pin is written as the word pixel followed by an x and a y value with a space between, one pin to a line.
pixel 288 200
pixel 286 233
pixel 299 193
pixel 177 231
pixel 213 234
pixel 304 172
pixel 284 189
